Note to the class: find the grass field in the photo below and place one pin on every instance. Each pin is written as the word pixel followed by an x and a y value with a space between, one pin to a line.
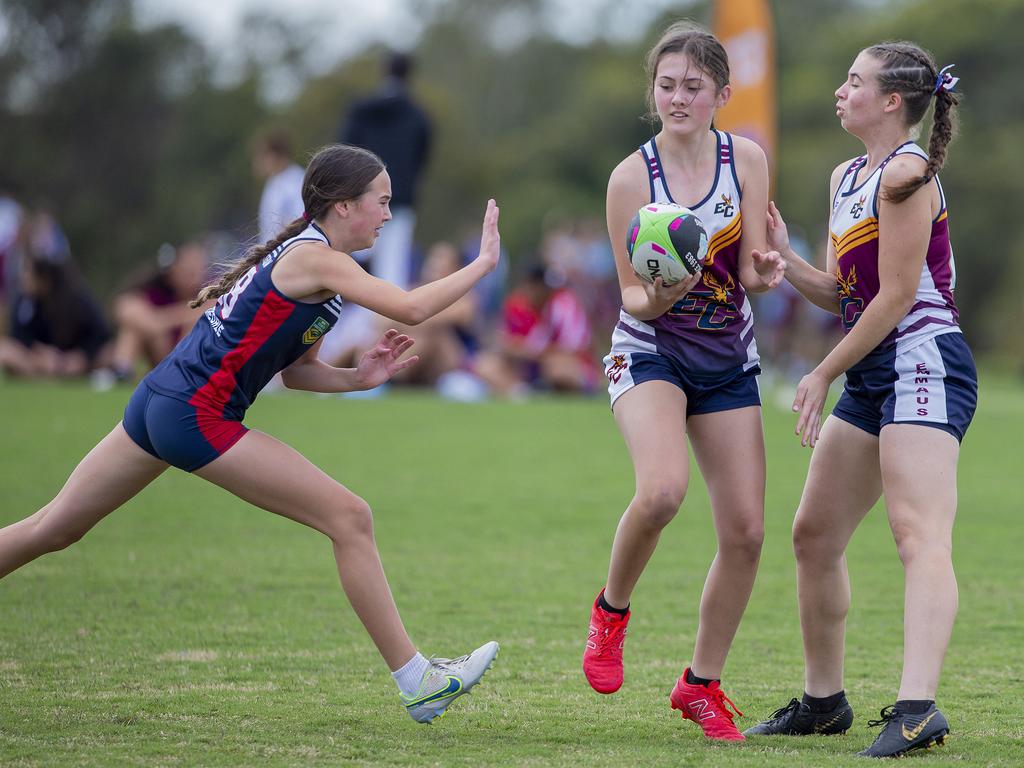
pixel 191 629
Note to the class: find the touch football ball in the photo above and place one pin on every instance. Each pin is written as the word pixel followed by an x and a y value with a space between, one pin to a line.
pixel 666 240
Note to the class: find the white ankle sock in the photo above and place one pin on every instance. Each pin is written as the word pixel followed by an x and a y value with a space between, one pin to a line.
pixel 410 675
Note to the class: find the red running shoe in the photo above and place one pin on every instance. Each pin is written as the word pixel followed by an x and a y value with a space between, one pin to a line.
pixel 602 658
pixel 706 706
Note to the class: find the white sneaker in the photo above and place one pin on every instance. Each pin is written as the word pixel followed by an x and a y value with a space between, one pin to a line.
pixel 447 679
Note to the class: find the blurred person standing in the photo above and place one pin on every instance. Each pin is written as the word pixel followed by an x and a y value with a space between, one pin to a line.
pixel 10 227
pixel 392 125
pixel 281 201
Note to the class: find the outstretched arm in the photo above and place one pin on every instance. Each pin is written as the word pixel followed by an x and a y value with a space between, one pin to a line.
pixel 377 365
pixel 315 269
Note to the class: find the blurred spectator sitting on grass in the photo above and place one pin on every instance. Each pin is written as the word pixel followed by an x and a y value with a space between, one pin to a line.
pixel 544 340
pixel 56 328
pixel 446 341
pixel 154 314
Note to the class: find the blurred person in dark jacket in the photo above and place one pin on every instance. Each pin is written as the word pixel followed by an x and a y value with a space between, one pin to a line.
pixel 390 123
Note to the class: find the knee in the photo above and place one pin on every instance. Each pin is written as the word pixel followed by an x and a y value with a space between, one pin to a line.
pixel 52 538
pixel 352 518
pixel 655 505
pixel 745 540
pixel 812 542
pixel 914 542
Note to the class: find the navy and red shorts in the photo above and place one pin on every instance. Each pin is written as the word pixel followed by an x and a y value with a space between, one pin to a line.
pixel 184 435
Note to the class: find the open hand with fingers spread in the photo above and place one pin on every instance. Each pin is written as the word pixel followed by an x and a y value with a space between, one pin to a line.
pixel 381 362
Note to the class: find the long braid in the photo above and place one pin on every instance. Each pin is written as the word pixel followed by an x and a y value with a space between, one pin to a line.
pixel 336 173
pixel 910 71
pixel 239 267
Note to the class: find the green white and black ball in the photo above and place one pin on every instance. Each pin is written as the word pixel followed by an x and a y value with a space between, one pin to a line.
pixel 666 240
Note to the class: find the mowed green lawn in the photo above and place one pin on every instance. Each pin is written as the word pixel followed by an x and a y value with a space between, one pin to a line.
pixel 192 629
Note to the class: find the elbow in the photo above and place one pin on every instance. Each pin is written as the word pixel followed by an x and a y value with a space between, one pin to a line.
pixel 412 314
pixel 901 302
pixel 753 286
pixel 292 377
pixel 907 303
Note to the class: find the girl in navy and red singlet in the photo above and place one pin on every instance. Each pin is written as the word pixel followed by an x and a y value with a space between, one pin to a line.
pixel 683 365
pixel 272 309
pixel 910 393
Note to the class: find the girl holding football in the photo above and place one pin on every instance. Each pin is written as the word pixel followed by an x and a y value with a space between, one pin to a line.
pixel 683 364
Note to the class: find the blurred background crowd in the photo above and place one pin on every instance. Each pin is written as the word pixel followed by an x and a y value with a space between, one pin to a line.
pixel 136 161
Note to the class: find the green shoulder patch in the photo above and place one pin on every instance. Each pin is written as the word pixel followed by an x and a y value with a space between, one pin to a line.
pixel 315 331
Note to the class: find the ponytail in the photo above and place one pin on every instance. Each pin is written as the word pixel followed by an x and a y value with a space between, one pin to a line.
pixel 235 269
pixel 943 130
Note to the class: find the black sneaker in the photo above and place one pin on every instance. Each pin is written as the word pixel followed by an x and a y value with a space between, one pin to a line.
pixel 797 719
pixel 903 733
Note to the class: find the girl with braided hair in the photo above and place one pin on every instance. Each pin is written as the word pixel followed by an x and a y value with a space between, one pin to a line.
pixel 910 393
pixel 272 309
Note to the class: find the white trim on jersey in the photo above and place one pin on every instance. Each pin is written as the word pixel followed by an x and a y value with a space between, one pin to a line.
pixel 334 306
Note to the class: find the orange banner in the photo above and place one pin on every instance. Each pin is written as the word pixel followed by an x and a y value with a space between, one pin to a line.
pixel 745 29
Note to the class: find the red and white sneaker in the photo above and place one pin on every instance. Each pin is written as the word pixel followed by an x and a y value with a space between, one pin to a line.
pixel 602 658
pixel 706 706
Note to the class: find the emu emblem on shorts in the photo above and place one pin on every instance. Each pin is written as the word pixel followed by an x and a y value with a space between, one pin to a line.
pixel 315 331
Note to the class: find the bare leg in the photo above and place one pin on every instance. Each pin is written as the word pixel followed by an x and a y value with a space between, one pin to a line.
pixel 112 473
pixel 271 475
pixel 652 419
pixel 843 483
pixel 919 478
pixel 729 446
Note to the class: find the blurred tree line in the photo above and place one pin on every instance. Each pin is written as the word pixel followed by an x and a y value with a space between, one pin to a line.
pixel 133 139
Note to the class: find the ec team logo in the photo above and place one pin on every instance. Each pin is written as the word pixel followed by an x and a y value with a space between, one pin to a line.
pixel 616 369
pixel 725 207
pixel 315 331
